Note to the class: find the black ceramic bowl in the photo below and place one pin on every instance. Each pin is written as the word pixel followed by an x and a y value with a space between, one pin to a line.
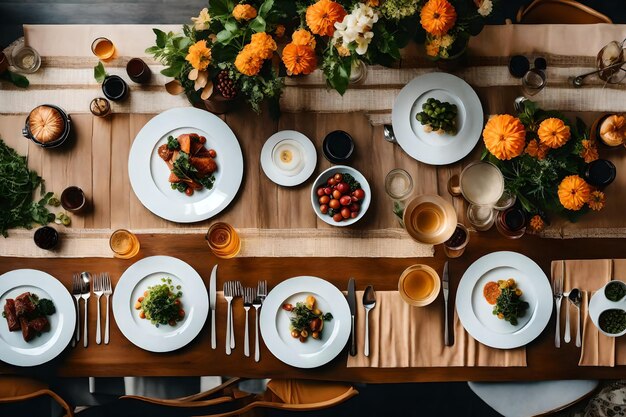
pixel 67 122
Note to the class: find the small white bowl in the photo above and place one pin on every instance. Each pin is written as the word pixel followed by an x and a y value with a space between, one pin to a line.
pixel 599 304
pixel 321 180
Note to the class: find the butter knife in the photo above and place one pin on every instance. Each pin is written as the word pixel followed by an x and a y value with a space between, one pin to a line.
pixel 445 284
pixel 352 305
pixel 212 301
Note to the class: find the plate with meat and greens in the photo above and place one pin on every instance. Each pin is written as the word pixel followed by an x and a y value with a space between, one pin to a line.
pixel 504 300
pixel 39 317
pixel 185 165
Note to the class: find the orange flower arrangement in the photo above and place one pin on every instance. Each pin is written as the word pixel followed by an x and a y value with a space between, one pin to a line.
pixel 504 136
pixel 199 55
pixel 279 31
pixel 248 63
pixel 250 60
pixel 536 223
pixel 322 16
pixel 589 152
pixel 574 192
pixel 299 59
pixel 597 200
pixel 244 12
pixel 553 133
pixel 263 45
pixel 532 148
pixel 303 37
pixel 437 17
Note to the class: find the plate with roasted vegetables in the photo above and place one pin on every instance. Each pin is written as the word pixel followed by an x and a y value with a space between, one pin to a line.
pixel 504 300
pixel 305 321
pixel 185 165
pixel 160 303
pixel 38 317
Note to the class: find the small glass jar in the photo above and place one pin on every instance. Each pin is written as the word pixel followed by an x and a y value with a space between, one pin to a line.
pixel 511 223
pixel 25 59
pixel 358 72
pixel 455 246
pixel 398 186
pixel 481 217
pixel 100 107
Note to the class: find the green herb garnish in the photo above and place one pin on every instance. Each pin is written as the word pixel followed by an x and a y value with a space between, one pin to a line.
pixel 161 305
pixel 510 306
pixel 349 179
pixel 17 186
pixel 172 143
pixel 613 321
pixel 615 291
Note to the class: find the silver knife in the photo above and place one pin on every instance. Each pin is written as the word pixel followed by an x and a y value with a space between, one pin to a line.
pixel 445 284
pixel 212 301
pixel 352 305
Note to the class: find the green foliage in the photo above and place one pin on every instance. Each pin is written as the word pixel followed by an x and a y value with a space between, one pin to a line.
pixel 17 80
pixel 337 70
pixel 99 73
pixel 17 187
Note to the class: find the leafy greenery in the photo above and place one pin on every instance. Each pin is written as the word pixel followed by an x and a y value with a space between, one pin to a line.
pixel 351 181
pixel 17 80
pixel 510 305
pixel 184 170
pixel 302 316
pixel 45 307
pixel 17 187
pixel 172 143
pixel 99 73
pixel 161 304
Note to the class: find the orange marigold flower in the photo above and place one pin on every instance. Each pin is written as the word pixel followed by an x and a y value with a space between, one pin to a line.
pixel 553 132
pixel 263 45
pixel 597 200
pixel 372 3
pixel 303 37
pixel 504 136
pixel 247 62
pixel 542 152
pixel 299 59
pixel 532 148
pixel 574 192
pixel 437 17
pixel 589 152
pixel 342 50
pixel 279 31
pixel 536 223
pixel 432 46
pixel 244 12
pixel 322 16
pixel 199 55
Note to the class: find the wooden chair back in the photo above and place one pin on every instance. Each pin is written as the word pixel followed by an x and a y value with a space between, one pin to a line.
pixel 21 395
pixel 559 11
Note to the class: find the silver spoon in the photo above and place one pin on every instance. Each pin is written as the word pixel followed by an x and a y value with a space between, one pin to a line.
pixel 567 337
pixel 369 302
pixel 85 294
pixel 389 135
pixel 575 296
pixel 578 81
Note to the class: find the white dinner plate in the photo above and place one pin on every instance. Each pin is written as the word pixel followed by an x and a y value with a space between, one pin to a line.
pixel 149 173
pixel 275 322
pixel 147 272
pixel 280 177
pixel 476 314
pixel 41 349
pixel 433 148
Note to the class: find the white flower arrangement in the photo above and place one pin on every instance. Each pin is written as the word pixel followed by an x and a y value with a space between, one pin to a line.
pixel 357 27
pixel 485 8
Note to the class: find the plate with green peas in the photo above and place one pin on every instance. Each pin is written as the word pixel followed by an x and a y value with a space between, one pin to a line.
pixel 607 308
pixel 437 118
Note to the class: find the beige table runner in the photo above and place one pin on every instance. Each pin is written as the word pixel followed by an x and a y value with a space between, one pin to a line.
pixel 404 336
pixel 589 276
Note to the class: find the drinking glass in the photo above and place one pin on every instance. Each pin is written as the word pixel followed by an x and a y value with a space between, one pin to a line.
pixel 124 244
pixel 455 246
pixel 398 185
pixel 100 107
pixel 223 240
pixel 115 88
pixel 103 48
pixel 481 217
pixel 138 71
pixel 25 59
pixel 533 81
pixel 482 185
pixel 73 199
pixel 511 223
pixel 610 54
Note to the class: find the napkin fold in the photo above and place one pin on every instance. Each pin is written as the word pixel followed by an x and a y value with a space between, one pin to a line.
pixel 589 275
pixel 405 336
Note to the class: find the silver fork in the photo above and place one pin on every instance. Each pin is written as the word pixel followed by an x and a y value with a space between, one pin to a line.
pixel 248 297
pixel 98 290
pixel 557 291
pixel 108 290
pixel 76 292
pixel 85 293
pixel 237 292
pixel 228 296
pixel 256 303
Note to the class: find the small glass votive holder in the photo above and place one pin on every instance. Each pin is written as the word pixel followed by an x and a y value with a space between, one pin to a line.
pixel 100 107
pixel 25 59
pixel 481 217
pixel 511 223
pixel 455 246
pixel 398 186
pixel 533 81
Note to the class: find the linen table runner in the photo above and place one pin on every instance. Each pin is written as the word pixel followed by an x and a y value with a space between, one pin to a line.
pixel 589 276
pixel 405 336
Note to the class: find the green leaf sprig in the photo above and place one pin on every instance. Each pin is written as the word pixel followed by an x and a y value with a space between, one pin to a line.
pixel 99 73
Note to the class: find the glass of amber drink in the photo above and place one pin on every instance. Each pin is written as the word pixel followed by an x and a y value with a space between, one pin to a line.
pixel 103 48
pixel 124 244
pixel 223 240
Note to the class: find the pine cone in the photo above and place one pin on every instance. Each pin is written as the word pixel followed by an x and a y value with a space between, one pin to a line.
pixel 225 85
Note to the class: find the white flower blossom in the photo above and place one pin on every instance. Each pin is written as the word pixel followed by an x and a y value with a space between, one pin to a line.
pixel 486 7
pixel 357 27
pixel 203 21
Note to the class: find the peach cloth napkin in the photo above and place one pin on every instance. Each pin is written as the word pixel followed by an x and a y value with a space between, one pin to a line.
pixel 404 336
pixel 589 276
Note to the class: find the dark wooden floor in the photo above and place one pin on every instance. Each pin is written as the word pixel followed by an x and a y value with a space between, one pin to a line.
pixel 14 13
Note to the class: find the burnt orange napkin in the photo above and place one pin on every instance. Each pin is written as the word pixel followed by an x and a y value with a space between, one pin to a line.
pixel 404 336
pixel 590 275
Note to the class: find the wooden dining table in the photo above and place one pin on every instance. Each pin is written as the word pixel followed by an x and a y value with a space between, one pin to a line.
pixel 260 204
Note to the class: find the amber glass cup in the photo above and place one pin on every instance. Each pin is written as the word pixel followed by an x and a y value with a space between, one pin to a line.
pixel 124 244
pixel 103 48
pixel 223 240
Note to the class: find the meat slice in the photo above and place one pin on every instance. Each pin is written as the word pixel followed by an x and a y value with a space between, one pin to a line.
pixel 205 166
pixel 27 331
pixel 9 313
pixel 23 304
pixel 39 324
pixel 185 142
pixel 165 153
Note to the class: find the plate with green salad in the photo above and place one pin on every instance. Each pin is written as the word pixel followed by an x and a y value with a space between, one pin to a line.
pixel 160 303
